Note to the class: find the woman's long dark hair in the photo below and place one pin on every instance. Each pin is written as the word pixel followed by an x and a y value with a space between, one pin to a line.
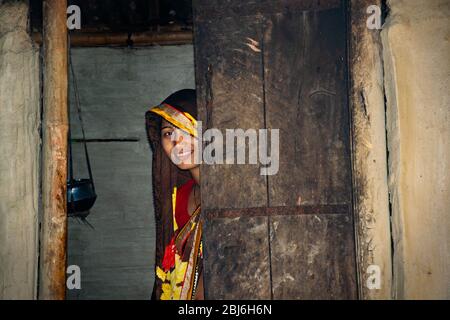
pixel 166 175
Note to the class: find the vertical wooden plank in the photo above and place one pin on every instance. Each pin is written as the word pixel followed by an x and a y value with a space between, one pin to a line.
pixel 370 173
pixel 54 169
pixel 237 264
pixel 229 70
pixel 306 96
pixel 230 47
pixel 314 260
pixel 313 256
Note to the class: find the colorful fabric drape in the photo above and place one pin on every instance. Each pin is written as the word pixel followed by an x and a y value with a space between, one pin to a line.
pixel 181 264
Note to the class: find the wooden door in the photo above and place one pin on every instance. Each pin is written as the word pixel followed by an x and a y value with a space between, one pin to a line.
pixel 277 64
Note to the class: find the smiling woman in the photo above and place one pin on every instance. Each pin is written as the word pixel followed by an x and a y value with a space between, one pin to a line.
pixel 179 257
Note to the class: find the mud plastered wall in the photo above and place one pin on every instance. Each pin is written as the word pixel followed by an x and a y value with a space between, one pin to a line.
pixel 19 154
pixel 416 54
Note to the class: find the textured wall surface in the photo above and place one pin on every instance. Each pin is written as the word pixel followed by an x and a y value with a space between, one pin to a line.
pixel 369 154
pixel 417 69
pixel 19 154
pixel 117 87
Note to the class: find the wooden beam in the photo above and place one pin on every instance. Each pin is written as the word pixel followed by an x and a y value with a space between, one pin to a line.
pixel 369 151
pixel 277 211
pixel 52 273
pixel 95 39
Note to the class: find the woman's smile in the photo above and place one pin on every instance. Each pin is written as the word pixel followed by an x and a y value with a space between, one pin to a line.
pixel 184 154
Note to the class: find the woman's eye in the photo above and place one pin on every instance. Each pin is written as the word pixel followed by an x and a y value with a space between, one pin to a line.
pixel 167 134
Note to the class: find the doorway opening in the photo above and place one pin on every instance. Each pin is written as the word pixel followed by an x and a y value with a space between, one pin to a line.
pixel 127 57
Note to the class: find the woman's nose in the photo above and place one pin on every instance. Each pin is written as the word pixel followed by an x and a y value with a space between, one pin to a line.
pixel 178 138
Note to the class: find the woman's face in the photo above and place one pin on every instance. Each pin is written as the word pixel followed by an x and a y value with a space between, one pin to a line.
pixel 179 146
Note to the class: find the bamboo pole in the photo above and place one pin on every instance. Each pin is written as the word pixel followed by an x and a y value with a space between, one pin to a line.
pixel 52 272
pixel 93 39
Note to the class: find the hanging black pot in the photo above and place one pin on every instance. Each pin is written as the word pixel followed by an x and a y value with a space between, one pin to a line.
pixel 81 194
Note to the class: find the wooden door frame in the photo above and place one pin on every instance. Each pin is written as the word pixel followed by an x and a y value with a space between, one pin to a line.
pixel 369 152
pixel 370 195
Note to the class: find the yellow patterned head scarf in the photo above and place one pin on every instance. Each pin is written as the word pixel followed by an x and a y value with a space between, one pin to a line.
pixel 178 118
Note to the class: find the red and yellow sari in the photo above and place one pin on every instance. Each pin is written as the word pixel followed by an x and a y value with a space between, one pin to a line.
pixel 178 237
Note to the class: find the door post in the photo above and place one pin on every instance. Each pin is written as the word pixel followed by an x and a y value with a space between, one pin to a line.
pixel 52 271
